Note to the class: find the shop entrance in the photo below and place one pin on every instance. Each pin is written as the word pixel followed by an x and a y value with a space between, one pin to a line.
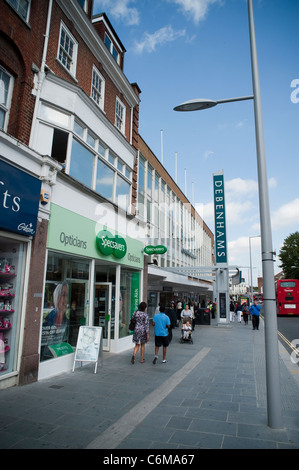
pixel 102 311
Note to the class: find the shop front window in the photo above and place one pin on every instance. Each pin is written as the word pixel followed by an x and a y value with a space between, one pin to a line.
pixel 65 305
pixel 12 263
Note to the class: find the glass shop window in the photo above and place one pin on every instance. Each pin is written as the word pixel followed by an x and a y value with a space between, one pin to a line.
pixel 65 309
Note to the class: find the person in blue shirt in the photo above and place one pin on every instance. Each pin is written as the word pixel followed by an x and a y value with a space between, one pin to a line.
pixel 161 323
pixel 255 312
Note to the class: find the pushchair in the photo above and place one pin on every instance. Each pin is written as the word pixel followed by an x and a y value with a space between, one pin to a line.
pixel 186 333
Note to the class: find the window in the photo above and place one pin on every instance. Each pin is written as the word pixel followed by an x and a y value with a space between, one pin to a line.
pixel 12 291
pixel 59 145
pixel 122 192
pixel 120 166
pixel 22 7
pixel 141 172
pixel 6 86
pixel 101 149
pixel 50 114
pixel 111 48
pixel 120 112
pixel 287 284
pixel 91 139
pixel 156 189
pixel 108 42
pixel 105 180
pixel 149 180
pixel 86 157
pixel 98 88
pixel 81 166
pixel 83 4
pixel 67 51
pixel 128 173
pixel 79 129
pixel 65 304
pixel 111 158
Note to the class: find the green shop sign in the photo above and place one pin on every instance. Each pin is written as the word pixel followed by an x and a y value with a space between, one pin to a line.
pixel 108 244
pixel 75 234
pixel 155 250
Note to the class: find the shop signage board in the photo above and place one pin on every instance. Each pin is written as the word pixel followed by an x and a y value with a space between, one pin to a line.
pixel 220 220
pixel 155 250
pixel 76 234
pixel 111 245
pixel 135 283
pixel 19 200
pixel 89 345
pixel 221 255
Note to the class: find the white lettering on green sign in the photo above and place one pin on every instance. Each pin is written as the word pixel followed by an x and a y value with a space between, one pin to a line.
pixel 108 244
pixel 155 250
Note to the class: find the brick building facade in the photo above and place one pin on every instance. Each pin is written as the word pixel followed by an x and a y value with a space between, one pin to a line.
pixel 70 148
pixel 49 51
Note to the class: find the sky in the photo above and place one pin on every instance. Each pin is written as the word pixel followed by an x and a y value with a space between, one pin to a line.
pixel 179 50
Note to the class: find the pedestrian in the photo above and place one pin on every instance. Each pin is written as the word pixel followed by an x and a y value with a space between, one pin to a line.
pixel 157 309
pixel 141 331
pixel 210 307
pixel 213 309
pixel 193 316
pixel 179 308
pixel 245 313
pixel 239 312
pixel 232 311
pixel 186 314
pixel 255 312
pixel 172 315
pixel 187 330
pixel 161 323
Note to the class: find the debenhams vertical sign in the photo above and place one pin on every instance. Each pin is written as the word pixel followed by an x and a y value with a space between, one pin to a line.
pixel 220 224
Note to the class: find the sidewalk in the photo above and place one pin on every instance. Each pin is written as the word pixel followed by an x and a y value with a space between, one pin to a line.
pixel 210 395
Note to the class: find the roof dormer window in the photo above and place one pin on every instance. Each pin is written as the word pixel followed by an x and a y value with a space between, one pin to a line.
pixel 110 46
pixel 83 4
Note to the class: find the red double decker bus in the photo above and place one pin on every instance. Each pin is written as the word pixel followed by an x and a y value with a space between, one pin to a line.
pixel 287 297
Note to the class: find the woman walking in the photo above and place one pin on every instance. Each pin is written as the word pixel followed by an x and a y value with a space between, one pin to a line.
pixel 141 331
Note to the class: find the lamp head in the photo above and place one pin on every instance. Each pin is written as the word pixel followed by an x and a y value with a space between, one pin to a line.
pixel 196 105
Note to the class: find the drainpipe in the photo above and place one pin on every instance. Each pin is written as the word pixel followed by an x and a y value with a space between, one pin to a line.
pixel 40 75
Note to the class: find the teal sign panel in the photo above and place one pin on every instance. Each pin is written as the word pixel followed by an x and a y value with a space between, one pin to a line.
pixel 220 221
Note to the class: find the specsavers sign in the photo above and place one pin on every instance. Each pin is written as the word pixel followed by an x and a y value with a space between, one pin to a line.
pixel 73 233
pixel 111 245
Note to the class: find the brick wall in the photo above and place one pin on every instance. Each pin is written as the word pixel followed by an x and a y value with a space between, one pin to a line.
pixel 30 357
pixel 20 46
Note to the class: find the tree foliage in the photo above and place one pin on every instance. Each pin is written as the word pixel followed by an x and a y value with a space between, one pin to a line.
pixel 289 256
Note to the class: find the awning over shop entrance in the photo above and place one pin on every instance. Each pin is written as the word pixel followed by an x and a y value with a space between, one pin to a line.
pixel 160 280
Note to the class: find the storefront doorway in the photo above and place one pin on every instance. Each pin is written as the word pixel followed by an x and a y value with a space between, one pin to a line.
pixel 102 311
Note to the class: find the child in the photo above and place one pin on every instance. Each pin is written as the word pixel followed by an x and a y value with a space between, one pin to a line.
pixel 187 330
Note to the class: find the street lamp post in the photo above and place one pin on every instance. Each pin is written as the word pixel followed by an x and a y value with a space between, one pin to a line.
pixel 251 282
pixel 271 342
